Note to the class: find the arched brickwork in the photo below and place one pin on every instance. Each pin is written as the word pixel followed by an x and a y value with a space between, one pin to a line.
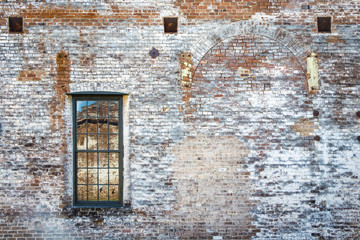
pixel 244 74
pixel 247 97
pixel 296 46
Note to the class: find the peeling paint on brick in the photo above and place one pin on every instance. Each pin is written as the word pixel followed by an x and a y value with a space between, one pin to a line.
pixel 335 39
pixel 313 73
pixel 211 178
pixel 61 86
pixel 248 115
pixel 31 75
pixel 52 14
pixel 305 127
pixel 62 81
pixel 186 76
pixel 223 9
pixel 187 70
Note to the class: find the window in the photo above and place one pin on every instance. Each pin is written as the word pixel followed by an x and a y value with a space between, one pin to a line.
pixel 98 149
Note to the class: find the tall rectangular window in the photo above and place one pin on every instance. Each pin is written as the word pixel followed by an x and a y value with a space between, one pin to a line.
pixel 98 150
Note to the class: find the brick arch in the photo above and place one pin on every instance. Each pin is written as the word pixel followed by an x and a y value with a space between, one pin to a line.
pixel 237 70
pixel 205 44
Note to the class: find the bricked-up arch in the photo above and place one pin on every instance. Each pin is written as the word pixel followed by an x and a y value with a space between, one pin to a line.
pixel 246 97
pixel 296 46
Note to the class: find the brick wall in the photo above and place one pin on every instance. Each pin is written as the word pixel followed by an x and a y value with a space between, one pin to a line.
pixel 223 139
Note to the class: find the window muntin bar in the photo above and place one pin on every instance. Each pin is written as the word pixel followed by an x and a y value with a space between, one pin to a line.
pixel 98 149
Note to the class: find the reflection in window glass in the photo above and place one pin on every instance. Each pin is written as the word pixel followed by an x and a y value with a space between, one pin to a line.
pixel 92 141
pixel 92 108
pixel 82 159
pixel 97 150
pixel 114 176
pixel 81 108
pixel 103 176
pixel 113 125
pixel 92 192
pixel 114 194
pixel 114 159
pixel 102 126
pixel 82 192
pixel 91 125
pixel 103 108
pixel 103 160
pixel 81 141
pixel 92 159
pixel 93 176
pixel 114 108
pixel 103 193
pixel 81 125
pixel 82 176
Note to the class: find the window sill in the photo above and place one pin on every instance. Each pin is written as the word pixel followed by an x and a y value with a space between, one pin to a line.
pixel 97 211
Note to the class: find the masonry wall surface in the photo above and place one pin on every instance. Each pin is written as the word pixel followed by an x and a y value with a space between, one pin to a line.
pixel 220 128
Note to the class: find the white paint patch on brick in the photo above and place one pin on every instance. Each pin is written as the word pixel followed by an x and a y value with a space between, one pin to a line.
pixel 313 73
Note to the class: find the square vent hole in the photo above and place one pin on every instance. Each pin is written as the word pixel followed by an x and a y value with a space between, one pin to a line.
pixel 170 24
pixel 324 24
pixel 15 24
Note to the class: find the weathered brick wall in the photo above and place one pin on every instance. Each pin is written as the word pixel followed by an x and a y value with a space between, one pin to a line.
pixel 220 127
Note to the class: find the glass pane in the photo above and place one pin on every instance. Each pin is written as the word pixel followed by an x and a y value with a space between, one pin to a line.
pixel 81 176
pixel 92 108
pixel 102 125
pixel 114 142
pixel 81 193
pixel 92 159
pixel 92 125
pixel 113 108
pixel 103 193
pixel 114 176
pixel 93 192
pixel 81 125
pixel 92 141
pixel 103 108
pixel 97 128
pixel 103 142
pixel 113 125
pixel 103 159
pixel 103 176
pixel 114 159
pixel 92 176
pixel 81 159
pixel 114 193
pixel 81 141
pixel 81 109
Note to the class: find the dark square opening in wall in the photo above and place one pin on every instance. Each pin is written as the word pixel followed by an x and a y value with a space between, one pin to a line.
pixel 324 24
pixel 15 24
pixel 170 24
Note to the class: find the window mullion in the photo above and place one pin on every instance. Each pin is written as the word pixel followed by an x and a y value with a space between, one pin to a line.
pixel 97 147
pixel 120 167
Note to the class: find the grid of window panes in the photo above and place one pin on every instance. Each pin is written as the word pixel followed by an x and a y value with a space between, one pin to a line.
pixel 97 151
